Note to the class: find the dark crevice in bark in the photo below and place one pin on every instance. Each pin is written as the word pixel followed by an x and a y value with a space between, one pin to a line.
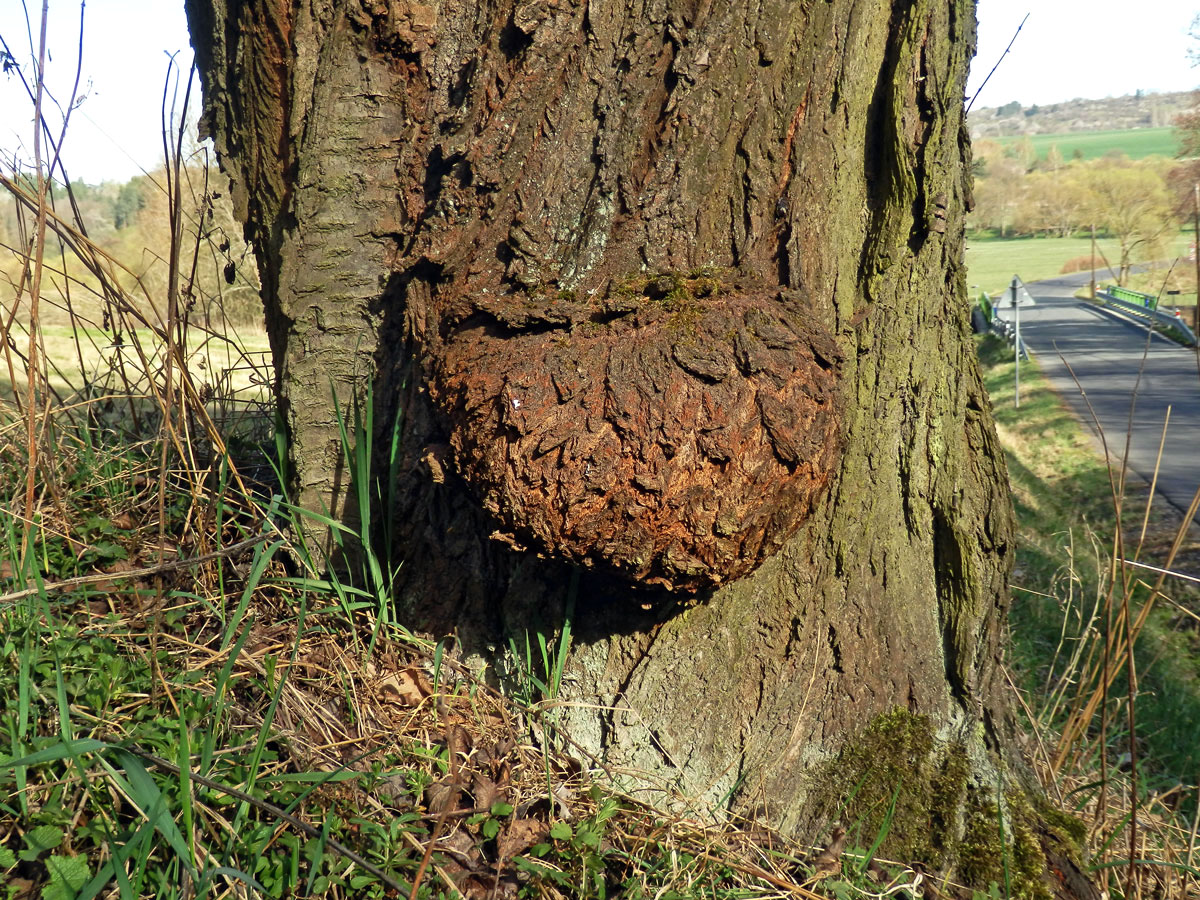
pixel 513 41
pixel 784 230
pixel 950 572
pixel 836 665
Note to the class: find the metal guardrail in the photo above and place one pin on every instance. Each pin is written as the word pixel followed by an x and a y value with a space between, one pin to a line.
pixel 1007 330
pixel 998 326
pixel 1137 298
pixel 1175 328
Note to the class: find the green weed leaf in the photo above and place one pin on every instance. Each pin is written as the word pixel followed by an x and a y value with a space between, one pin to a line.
pixel 561 831
pixel 58 751
pixel 147 795
pixel 40 839
pixel 68 875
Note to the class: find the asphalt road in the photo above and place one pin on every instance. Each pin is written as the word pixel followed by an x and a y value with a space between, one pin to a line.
pixel 1105 354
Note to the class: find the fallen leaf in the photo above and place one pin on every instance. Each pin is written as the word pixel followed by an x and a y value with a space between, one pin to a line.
pixel 459 741
pixel 520 836
pixel 476 886
pixel 409 687
pixel 443 796
pixel 828 862
pixel 465 848
pixel 485 791
pixel 563 796
pixel 876 872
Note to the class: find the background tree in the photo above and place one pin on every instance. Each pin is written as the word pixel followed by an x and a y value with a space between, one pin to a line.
pixel 1052 203
pixel 999 195
pixel 670 299
pixel 1054 159
pixel 1131 202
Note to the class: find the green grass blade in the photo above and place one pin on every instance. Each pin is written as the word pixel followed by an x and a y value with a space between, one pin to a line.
pixel 145 793
pixel 114 868
pixel 61 750
pixel 263 555
pixel 186 800
pixel 884 828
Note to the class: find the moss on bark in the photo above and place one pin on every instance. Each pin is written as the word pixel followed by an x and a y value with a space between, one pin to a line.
pixel 898 779
pixel 937 809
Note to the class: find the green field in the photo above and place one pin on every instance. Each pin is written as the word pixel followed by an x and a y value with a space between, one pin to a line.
pixel 992 262
pixel 240 366
pixel 1136 143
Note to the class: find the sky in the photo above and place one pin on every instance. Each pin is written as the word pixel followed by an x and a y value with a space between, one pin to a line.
pixel 116 131
pixel 1067 49
pixel 1083 48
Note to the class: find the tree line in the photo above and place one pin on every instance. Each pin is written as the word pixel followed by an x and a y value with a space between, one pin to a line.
pixel 131 222
pixel 1138 203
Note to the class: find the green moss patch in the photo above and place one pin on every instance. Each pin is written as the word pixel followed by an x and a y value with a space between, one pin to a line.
pixel 896 781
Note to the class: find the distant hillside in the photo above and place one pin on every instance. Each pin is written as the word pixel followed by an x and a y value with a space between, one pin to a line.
pixel 1141 110
pixel 1135 143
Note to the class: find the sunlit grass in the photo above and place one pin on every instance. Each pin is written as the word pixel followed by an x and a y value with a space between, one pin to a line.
pixel 1065 598
pixel 1136 143
pixel 992 262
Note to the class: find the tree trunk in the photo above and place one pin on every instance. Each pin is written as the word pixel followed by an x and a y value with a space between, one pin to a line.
pixel 669 296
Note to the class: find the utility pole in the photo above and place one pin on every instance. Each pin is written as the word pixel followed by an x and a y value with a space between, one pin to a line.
pixel 1017 343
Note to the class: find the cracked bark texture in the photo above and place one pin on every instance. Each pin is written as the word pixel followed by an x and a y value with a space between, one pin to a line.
pixel 669 296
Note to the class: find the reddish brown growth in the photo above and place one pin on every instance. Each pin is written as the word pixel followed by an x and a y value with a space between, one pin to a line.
pixel 677 440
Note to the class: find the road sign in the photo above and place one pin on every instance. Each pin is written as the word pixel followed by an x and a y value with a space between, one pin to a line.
pixel 1022 296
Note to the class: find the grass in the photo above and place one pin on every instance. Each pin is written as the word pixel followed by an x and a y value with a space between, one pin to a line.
pixel 232 364
pixel 992 261
pixel 221 723
pixel 1070 601
pixel 1136 143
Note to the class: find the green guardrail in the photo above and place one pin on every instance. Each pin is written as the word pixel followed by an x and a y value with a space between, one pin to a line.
pixel 1149 301
pixel 985 303
pixel 1170 324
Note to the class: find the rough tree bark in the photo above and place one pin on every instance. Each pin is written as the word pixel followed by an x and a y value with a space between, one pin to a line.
pixel 669 295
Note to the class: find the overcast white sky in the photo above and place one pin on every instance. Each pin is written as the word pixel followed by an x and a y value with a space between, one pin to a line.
pixel 1068 48
pixel 1083 48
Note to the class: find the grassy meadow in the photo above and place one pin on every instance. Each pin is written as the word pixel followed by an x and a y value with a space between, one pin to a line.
pixel 79 357
pixel 1070 510
pixel 1137 143
pixel 992 261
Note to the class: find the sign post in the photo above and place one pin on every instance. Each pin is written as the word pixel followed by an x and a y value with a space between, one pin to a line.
pixel 1017 343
